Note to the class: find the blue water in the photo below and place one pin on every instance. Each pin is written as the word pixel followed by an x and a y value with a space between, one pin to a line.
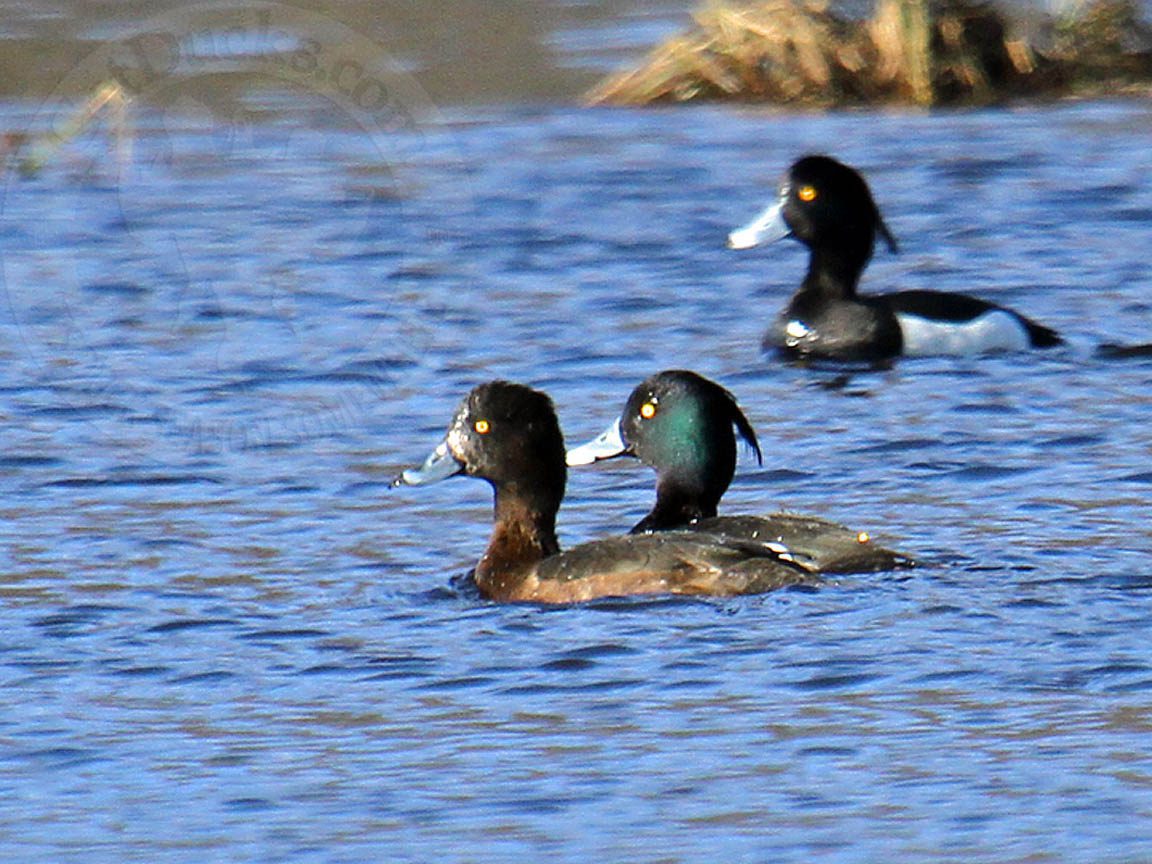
pixel 224 638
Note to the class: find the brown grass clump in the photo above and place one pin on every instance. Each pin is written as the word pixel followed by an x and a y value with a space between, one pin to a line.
pixel 925 52
pixel 778 51
pixel 1105 45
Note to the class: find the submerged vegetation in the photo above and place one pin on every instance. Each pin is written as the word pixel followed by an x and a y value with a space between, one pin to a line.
pixel 924 52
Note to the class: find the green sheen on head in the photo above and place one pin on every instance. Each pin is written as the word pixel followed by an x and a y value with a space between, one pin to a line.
pixel 681 424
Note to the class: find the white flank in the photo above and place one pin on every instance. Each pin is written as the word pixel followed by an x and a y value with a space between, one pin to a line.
pixel 996 330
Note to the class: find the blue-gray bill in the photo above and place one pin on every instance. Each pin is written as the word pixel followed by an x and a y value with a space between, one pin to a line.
pixel 608 444
pixel 768 227
pixel 440 465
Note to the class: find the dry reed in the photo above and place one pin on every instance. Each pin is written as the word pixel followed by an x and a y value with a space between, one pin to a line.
pixel 910 51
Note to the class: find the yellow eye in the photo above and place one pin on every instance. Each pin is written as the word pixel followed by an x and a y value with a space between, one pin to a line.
pixel 806 193
pixel 482 426
pixel 648 410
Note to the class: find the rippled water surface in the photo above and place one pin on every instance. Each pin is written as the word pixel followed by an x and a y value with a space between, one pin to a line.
pixel 224 637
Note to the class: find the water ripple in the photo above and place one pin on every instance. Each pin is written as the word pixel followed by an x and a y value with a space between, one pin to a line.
pixel 214 607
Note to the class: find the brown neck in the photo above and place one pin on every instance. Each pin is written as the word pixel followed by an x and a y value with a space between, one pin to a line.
pixel 523 536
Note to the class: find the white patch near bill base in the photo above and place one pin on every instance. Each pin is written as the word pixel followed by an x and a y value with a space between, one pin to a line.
pixel 996 330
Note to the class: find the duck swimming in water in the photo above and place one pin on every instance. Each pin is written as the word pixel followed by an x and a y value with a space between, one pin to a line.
pixel 828 207
pixel 684 426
